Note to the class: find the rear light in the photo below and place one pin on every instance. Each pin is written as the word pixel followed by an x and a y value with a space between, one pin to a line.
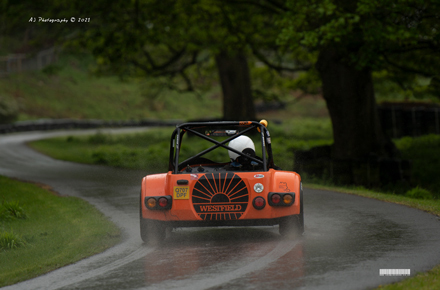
pixel 281 198
pixel 259 202
pixel 163 202
pixel 276 198
pixel 287 199
pixel 151 203
pixel 158 202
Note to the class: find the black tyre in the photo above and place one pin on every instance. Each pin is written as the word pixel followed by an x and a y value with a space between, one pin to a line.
pixel 301 211
pixel 151 231
pixel 293 226
pixel 290 226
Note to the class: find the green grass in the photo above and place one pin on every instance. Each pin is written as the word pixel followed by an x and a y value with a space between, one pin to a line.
pixel 56 231
pixel 11 210
pixel 9 240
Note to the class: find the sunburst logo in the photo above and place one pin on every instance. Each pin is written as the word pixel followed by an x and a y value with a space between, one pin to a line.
pixel 220 196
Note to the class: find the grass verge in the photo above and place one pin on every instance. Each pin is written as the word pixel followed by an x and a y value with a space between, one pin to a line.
pixel 57 231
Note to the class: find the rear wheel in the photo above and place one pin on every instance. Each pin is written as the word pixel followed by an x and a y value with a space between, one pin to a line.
pixel 151 231
pixel 293 226
pixel 290 226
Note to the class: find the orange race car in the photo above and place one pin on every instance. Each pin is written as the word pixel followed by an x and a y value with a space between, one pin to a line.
pixel 235 183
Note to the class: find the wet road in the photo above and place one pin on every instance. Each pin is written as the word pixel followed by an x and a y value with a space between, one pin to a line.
pixel 347 240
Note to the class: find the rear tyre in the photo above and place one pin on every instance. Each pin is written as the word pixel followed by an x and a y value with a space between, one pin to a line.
pixel 151 231
pixel 290 226
pixel 293 226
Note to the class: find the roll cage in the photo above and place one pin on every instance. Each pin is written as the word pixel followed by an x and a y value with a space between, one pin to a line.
pixel 241 127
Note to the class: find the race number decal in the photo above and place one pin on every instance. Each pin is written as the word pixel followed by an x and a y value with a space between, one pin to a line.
pixel 181 192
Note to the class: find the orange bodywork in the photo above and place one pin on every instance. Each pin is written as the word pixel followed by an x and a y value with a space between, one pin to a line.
pixel 220 196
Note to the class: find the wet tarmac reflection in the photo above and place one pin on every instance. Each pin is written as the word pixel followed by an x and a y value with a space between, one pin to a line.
pixel 246 254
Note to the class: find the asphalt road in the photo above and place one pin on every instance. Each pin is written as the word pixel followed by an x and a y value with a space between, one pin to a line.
pixel 347 239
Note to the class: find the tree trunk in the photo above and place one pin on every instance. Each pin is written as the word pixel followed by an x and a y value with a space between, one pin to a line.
pixel 350 99
pixel 236 86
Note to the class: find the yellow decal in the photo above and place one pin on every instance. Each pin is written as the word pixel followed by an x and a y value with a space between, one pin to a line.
pixel 181 192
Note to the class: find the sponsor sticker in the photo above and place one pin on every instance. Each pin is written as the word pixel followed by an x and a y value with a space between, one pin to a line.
pixel 258 176
pixel 181 192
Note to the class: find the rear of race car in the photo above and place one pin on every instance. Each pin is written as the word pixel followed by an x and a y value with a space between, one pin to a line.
pixel 221 198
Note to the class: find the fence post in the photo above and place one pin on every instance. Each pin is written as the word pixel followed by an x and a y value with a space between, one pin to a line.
pixel 394 123
pixel 437 129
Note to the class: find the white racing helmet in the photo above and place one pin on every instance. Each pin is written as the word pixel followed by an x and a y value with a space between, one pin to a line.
pixel 240 143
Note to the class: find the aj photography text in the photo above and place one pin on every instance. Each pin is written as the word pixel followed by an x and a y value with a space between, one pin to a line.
pixel 60 20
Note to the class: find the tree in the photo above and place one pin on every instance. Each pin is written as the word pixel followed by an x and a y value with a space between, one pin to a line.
pixel 353 39
pixel 169 38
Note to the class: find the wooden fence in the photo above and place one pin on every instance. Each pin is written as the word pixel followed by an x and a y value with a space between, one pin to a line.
pixel 403 120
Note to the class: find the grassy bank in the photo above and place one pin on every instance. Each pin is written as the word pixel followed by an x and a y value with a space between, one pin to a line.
pixel 149 150
pixel 68 90
pixel 54 231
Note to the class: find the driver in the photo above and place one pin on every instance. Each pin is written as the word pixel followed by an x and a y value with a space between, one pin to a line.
pixel 242 144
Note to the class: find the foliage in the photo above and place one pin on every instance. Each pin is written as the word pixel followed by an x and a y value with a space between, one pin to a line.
pixel 424 153
pixel 387 88
pixel 11 210
pixel 10 240
pixel 398 36
pixel 162 39
pixel 419 193
pixel 176 42
pixel 98 138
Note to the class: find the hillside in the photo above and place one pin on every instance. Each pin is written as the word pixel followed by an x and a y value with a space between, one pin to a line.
pixel 68 90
